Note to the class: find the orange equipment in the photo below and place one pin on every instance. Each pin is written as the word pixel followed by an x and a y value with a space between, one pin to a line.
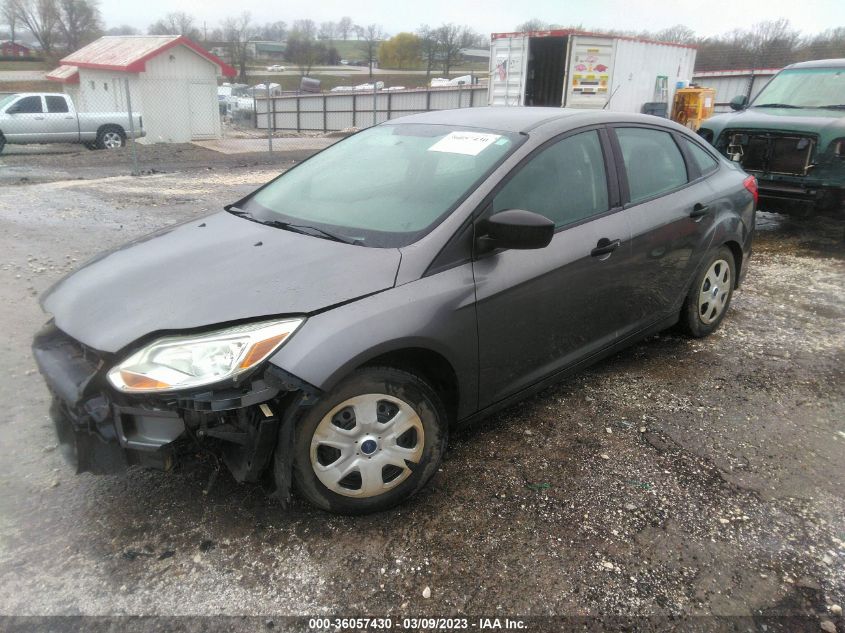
pixel 693 105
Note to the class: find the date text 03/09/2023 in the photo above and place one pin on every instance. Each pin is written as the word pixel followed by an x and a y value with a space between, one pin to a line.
pixel 415 624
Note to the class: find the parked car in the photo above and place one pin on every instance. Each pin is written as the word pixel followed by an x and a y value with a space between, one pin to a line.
pixel 30 117
pixel 331 328
pixel 276 68
pixel 791 136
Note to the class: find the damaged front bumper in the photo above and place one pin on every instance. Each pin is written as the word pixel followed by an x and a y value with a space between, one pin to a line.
pixel 248 423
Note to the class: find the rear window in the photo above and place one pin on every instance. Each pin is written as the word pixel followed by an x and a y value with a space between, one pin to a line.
pixel 653 162
pixel 56 104
pixel 706 163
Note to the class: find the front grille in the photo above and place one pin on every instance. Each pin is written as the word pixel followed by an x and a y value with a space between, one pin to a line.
pixel 770 152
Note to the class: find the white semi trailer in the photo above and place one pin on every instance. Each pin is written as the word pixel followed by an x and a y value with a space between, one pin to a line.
pixel 575 69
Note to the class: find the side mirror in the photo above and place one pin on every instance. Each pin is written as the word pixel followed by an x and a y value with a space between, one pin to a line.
pixel 739 102
pixel 519 229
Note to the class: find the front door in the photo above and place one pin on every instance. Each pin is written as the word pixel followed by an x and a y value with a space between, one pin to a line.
pixel 204 111
pixel 671 207
pixel 541 310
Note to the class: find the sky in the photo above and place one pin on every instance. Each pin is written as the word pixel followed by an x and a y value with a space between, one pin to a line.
pixel 710 17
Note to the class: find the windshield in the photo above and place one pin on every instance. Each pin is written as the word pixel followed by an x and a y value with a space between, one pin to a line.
pixel 385 186
pixel 4 101
pixel 804 88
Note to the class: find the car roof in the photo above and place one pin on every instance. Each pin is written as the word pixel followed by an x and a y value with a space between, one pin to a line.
pixel 522 119
pixel 820 63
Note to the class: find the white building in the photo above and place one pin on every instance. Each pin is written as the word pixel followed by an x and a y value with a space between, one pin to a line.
pixel 731 83
pixel 172 83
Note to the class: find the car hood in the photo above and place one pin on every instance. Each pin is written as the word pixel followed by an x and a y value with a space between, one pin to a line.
pixel 822 122
pixel 209 271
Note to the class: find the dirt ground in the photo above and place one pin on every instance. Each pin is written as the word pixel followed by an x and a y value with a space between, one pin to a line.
pixel 680 478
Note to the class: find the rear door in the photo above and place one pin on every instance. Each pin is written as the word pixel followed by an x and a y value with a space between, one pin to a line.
pixel 508 67
pixel 60 121
pixel 541 310
pixel 669 204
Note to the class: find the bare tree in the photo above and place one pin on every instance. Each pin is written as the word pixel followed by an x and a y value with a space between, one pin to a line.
pixel 370 37
pixel 679 34
pixel 123 29
pixel 41 18
pixel 305 53
pixel 10 17
pixel 175 23
pixel 305 29
pixel 451 38
pixel 274 31
pixel 345 26
pixel 79 22
pixel 237 32
pixel 327 30
pixel 533 24
pixel 428 48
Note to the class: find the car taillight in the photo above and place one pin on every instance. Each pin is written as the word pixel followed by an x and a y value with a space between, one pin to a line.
pixel 750 183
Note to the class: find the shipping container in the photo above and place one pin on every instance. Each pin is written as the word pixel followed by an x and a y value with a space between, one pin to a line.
pixel 585 70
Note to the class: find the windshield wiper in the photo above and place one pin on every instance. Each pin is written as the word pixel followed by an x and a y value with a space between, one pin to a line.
pixel 834 106
pixel 290 226
pixel 777 105
pixel 310 230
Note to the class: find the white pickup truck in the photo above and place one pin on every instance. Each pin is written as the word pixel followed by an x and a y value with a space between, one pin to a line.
pixel 33 117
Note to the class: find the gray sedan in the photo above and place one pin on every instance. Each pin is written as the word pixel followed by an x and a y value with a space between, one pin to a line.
pixel 326 332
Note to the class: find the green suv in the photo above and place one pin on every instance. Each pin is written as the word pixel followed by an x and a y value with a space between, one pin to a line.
pixel 791 136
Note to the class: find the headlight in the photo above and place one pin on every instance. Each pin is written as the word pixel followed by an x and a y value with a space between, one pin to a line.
pixel 183 362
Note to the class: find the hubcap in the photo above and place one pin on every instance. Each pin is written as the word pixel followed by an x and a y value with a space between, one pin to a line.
pixel 714 293
pixel 367 445
pixel 112 140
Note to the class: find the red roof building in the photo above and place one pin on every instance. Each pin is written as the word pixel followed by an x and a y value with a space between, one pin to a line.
pixel 170 80
pixel 14 49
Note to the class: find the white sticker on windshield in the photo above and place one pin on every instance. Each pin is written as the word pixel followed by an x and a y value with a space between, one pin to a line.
pixel 468 143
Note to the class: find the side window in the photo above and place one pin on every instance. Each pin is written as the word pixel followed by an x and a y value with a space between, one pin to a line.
pixel 566 182
pixel 706 163
pixel 653 162
pixel 29 105
pixel 56 104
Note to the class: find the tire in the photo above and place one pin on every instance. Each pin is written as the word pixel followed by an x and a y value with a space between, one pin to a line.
pixel 2 143
pixel 710 295
pixel 377 413
pixel 111 137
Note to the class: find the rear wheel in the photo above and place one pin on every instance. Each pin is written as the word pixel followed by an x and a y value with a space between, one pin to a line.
pixel 111 137
pixel 710 295
pixel 371 443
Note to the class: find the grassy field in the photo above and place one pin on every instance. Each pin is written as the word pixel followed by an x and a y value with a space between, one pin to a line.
pixel 29 86
pixel 23 65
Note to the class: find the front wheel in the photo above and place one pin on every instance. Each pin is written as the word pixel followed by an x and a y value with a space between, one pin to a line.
pixel 710 295
pixel 111 137
pixel 371 443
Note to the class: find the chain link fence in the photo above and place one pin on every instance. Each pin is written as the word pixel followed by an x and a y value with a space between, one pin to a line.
pixel 137 123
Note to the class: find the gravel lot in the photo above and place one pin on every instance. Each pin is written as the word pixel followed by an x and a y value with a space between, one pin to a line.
pixel 679 478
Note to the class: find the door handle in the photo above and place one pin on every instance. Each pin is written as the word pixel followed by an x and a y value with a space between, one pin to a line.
pixel 38 118
pixel 605 246
pixel 70 118
pixel 699 211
